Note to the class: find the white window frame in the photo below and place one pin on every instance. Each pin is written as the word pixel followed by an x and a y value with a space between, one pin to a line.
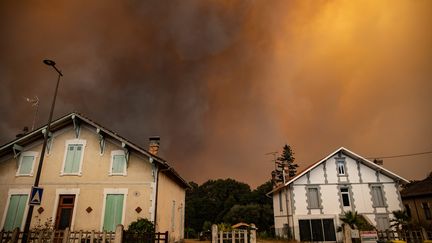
pixel 341 163
pixel 118 191
pixel 16 192
pixel 113 153
pixel 348 195
pixel 27 153
pixel 69 142
pixel 66 191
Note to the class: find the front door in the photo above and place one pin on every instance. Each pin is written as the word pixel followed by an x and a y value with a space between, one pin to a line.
pixel 64 211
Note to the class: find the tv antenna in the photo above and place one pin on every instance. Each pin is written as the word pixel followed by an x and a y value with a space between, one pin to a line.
pixel 34 102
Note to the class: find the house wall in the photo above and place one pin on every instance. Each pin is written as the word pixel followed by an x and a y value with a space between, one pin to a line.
pixel 91 187
pixel 416 209
pixel 325 177
pixel 171 208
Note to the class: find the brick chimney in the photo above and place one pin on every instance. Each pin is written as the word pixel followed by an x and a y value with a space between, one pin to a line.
pixel 154 143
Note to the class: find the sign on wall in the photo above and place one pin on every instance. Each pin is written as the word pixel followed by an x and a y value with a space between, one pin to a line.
pixel 36 196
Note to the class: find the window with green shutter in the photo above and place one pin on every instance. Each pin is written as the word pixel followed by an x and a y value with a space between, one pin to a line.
pixel 26 163
pixel 118 163
pixel 73 158
pixel 113 211
pixel 15 212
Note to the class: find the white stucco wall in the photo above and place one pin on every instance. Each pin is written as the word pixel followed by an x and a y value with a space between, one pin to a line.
pixel 330 199
pixel 359 179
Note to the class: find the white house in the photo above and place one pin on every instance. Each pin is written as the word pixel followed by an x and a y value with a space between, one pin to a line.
pixel 311 203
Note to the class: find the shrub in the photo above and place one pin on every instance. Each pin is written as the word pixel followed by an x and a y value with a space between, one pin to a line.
pixel 141 225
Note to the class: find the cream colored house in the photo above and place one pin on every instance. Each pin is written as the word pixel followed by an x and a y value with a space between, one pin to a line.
pixel 93 179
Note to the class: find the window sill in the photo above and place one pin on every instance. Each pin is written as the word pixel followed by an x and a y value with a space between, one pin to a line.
pixel 380 206
pixel 117 174
pixel 23 175
pixel 70 174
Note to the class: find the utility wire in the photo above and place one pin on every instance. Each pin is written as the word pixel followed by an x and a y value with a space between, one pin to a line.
pixel 400 155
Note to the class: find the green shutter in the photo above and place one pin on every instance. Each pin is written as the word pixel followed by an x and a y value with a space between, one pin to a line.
pixel 119 163
pixel 77 158
pixel 15 213
pixel 113 211
pixel 73 158
pixel 69 159
pixel 26 165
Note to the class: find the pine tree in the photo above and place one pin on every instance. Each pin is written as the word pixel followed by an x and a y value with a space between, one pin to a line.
pixel 287 159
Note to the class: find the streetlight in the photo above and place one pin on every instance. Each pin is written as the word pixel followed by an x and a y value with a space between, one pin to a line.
pixel 36 183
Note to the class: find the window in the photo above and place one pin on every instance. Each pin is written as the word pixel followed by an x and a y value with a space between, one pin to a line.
pixel 408 210
pixel 15 211
pixel 113 211
pixel 173 216
pixel 26 164
pixel 280 201
pixel 73 157
pixel 118 163
pixel 377 196
pixel 382 222
pixel 313 198
pixel 341 167
pixel 426 210
pixel 345 196
pixel 317 230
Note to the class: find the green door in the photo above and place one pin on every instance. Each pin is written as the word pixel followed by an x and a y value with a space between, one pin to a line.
pixel 15 212
pixel 113 211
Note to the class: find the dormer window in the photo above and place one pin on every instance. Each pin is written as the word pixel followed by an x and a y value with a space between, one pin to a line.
pixel 118 163
pixel 26 163
pixel 341 167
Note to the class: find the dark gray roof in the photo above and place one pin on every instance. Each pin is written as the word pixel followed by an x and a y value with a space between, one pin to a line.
pixel 418 188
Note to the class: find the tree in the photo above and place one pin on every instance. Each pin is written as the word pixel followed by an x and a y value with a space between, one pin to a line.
pixel 215 199
pixel 287 159
pixel 400 220
pixel 350 218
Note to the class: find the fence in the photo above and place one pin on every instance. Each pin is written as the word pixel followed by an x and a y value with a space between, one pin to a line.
pixel 145 237
pixel 234 236
pixel 410 236
pixel 66 236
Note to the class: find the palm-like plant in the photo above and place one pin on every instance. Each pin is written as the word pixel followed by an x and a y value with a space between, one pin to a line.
pixel 350 218
pixel 400 219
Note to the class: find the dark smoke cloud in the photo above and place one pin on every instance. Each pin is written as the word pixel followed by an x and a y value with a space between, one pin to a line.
pixel 225 82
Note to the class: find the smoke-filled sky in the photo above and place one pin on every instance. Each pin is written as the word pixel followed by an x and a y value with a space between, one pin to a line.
pixel 223 82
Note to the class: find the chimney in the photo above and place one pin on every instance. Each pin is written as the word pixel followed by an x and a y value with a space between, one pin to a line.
pixel 378 161
pixel 154 143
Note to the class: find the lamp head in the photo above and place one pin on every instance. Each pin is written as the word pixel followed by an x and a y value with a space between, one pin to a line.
pixel 49 62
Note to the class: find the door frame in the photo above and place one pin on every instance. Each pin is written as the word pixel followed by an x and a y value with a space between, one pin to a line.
pixel 15 192
pixel 66 191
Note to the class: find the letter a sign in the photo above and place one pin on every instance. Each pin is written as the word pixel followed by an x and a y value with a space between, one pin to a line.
pixel 36 196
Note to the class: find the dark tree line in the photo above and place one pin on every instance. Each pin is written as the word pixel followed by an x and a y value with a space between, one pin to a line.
pixel 228 201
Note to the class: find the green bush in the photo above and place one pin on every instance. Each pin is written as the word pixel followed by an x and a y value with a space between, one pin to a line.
pixel 141 226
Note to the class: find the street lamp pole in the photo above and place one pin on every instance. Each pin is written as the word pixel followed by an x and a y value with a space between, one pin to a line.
pixel 47 131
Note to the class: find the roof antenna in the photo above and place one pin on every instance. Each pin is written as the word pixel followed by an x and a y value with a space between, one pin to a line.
pixel 34 102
